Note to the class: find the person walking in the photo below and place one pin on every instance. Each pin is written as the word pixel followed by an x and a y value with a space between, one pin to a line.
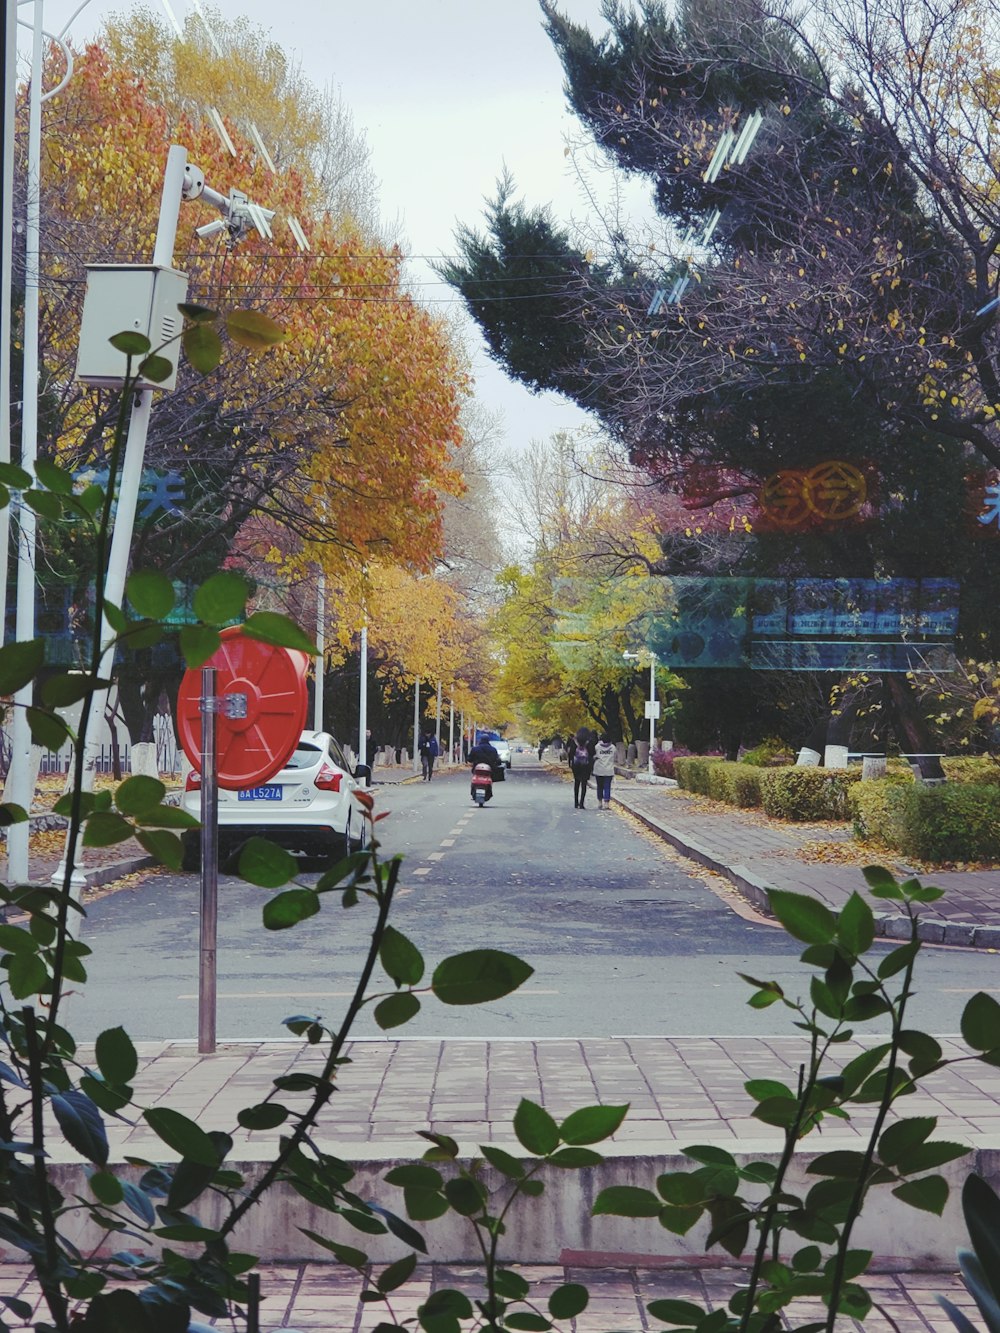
pixel 428 747
pixel 581 762
pixel 604 770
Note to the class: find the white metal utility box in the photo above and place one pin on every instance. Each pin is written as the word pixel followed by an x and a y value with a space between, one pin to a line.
pixel 139 298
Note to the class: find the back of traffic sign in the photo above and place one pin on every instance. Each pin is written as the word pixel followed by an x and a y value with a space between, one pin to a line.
pixel 254 746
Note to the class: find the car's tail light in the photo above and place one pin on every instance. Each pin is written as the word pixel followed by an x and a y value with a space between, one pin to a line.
pixel 193 781
pixel 328 779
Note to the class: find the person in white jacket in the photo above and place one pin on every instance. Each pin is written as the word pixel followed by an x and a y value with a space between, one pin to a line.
pixel 604 770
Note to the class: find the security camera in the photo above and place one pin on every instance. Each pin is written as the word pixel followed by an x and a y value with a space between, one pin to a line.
pixel 194 181
pixel 210 228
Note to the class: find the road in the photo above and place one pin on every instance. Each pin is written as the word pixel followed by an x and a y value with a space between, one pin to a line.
pixel 624 941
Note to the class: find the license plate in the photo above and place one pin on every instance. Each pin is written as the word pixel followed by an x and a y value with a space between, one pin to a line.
pixel 270 792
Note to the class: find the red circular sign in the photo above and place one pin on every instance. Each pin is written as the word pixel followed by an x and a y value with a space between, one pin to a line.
pixel 250 749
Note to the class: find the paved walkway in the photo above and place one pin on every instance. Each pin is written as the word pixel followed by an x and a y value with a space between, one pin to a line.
pixel 755 854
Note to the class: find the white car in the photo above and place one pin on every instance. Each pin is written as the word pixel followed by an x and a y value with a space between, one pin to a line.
pixel 307 807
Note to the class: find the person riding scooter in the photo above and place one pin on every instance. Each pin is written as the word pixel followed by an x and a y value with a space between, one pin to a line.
pixel 483 753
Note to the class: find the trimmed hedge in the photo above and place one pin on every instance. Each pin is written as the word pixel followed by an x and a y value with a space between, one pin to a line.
pixel 735 783
pixel 980 769
pixel 691 772
pixel 805 794
pixel 953 822
pixel 876 808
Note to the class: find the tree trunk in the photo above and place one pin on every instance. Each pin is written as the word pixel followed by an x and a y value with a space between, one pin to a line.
pixel 911 730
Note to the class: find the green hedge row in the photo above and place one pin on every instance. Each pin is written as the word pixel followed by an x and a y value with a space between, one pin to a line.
pixel 785 793
pixel 959 821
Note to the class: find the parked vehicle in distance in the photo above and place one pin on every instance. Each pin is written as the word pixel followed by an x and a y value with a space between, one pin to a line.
pixel 308 806
pixel 501 746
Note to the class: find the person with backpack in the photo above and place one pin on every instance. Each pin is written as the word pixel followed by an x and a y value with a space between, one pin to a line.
pixel 604 770
pixel 428 747
pixel 581 762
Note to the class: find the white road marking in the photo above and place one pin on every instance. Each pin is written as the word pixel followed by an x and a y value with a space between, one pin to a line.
pixel 434 856
pixel 422 870
pixel 447 842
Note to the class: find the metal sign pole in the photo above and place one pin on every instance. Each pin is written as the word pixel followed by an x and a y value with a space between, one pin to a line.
pixel 207 963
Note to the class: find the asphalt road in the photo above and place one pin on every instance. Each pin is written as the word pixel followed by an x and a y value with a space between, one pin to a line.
pixel 623 940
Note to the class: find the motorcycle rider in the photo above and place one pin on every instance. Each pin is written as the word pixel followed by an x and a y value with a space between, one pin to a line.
pixel 484 753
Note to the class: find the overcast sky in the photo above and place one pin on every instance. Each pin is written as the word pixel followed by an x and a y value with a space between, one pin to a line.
pixel 447 92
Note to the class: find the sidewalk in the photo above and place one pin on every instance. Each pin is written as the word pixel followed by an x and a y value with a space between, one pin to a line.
pixel 756 855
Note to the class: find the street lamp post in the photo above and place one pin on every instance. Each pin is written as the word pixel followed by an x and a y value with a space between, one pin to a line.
pixel 652 706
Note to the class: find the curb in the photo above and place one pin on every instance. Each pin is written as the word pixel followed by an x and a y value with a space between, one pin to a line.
pixel 888 925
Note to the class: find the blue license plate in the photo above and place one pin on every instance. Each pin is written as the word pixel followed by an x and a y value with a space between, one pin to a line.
pixel 270 792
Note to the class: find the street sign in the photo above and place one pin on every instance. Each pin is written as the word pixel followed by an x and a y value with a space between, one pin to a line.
pixel 652 710
pixel 252 747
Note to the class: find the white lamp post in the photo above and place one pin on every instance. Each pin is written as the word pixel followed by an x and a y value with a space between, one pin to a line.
pixel 652 705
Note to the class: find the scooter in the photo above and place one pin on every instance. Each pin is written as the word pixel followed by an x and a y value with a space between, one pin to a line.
pixel 482 783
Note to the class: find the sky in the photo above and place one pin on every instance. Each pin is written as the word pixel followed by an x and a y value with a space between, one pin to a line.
pixel 448 93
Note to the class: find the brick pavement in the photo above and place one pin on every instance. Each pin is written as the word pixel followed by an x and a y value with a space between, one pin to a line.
pixel 326 1296
pixel 755 856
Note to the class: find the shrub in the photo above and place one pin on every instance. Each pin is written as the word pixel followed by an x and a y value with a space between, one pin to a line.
pixel 980 769
pixel 770 753
pixel 953 822
pixel 663 761
pixel 737 784
pixel 802 793
pixel 691 772
pixel 876 807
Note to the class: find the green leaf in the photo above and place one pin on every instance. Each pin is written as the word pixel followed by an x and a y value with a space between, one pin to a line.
pixel 265 1115
pixel 198 643
pixel 198 314
pixel 395 1010
pixel 929 1156
pixel 131 343
pixel 151 594
pixel 106 1188
pixel 400 1229
pixel 535 1128
pixel 841 1163
pixel 502 1161
pixel 344 1254
pixel 856 925
pixel 251 329
pixel 425 1205
pixel 684 1313
pixel 162 846
pixel 20 663
pixel 156 368
pixel 479 976
pixel 591 1124
pixel 903 1135
pixel 269 866
pixel 44 503
pixel 415 1176
pixel 981 1022
pixel 47 730
pixel 139 795
pixel 572 1159
pixel 221 598
pixel 57 479
pixel 400 958
pixel 14 476
pixel 802 917
pixel 289 908
pixel 181 1134
pixel 396 1274
pixel 882 883
pixel 569 1300
pixel 626 1201
pixel 760 1089
pixel 202 347
pixel 81 1124
pixel 104 829
pixel 929 1193
pixel 168 816
pixel 510 1285
pixel 272 627
pixel 981 1208
pixel 465 1197
pixel 67 688
pixel 26 975
pixel 116 1056
pixel 529 1323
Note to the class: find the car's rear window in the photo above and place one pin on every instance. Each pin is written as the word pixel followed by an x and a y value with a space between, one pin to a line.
pixel 305 756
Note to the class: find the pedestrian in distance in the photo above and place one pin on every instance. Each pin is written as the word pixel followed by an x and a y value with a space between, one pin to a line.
pixel 604 770
pixel 581 762
pixel 428 747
